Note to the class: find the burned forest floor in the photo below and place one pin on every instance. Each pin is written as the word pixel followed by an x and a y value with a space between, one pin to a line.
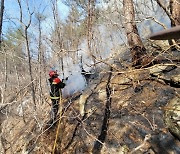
pixel 120 111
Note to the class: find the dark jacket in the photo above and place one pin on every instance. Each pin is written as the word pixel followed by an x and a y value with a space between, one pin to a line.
pixel 56 84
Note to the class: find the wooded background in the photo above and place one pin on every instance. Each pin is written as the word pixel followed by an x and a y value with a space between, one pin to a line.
pixel 35 37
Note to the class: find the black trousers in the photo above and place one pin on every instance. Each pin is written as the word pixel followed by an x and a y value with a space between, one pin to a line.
pixel 54 110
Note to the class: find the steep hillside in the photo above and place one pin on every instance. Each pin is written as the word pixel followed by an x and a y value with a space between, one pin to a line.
pixel 119 112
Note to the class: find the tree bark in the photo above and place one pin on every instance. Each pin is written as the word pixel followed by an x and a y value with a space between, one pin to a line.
pixel 40 58
pixel 30 65
pixel 135 43
pixel 59 37
pixel 1 18
pixel 175 16
pixel 175 12
pixel 91 10
pixel 5 73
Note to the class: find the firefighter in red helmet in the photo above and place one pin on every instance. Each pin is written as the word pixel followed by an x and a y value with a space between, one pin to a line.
pixel 55 85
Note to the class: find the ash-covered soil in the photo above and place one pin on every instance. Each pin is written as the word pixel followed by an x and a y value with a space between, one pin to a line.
pixel 118 112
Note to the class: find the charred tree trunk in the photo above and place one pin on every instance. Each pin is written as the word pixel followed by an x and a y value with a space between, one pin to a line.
pixel 1 18
pixel 136 46
pixel 175 12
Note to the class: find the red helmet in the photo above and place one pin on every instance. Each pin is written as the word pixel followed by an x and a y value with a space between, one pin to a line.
pixel 53 73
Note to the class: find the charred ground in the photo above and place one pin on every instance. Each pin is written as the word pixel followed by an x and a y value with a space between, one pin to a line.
pixel 122 110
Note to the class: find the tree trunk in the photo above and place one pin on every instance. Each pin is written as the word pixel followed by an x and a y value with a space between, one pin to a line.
pixel 59 37
pixel 135 44
pixel 91 10
pixel 175 12
pixel 40 61
pixel 5 73
pixel 17 74
pixel 175 16
pixel 30 67
pixel 1 18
